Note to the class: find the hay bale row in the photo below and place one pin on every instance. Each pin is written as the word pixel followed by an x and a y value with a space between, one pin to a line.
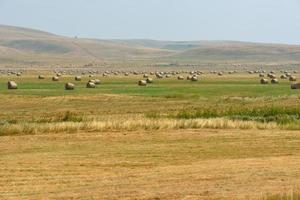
pixel 265 81
pixel 192 78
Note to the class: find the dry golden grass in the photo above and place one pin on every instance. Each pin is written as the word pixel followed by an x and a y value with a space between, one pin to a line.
pixel 179 164
pixel 131 123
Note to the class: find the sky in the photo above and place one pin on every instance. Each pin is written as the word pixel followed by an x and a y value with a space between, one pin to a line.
pixel 270 21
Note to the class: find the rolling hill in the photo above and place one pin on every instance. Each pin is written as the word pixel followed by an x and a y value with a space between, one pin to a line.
pixel 28 47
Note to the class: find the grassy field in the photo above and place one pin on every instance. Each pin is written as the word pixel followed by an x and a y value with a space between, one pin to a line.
pixel 208 87
pixel 219 138
pixel 232 101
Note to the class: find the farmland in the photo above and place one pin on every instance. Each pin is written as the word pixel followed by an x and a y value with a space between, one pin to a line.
pixel 118 100
pixel 194 164
pixel 219 137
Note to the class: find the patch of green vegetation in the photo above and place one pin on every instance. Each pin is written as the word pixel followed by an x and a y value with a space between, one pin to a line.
pixel 281 115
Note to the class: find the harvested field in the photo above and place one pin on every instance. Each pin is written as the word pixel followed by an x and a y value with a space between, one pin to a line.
pixel 190 164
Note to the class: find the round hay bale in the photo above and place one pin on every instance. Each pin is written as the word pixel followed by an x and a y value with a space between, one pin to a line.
pixel 91 85
pixel 293 78
pixel 145 76
pixel 69 86
pixel 97 81
pixel 194 78
pixel 283 76
pixel 295 86
pixel 149 80
pixel 272 76
pixel 19 74
pixel 274 81
pixel 58 74
pixel 159 76
pixel 77 78
pixel 12 85
pixel 220 73
pixel 142 83
pixel 180 78
pixel 288 74
pixel 261 75
pixel 168 76
pixel 126 74
pixel 264 81
pixel 41 77
pixel 55 78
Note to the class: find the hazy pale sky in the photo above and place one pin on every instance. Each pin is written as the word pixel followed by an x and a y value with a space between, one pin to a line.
pixel 276 21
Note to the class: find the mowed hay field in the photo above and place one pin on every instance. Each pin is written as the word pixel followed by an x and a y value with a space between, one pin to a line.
pixel 189 164
pixel 223 137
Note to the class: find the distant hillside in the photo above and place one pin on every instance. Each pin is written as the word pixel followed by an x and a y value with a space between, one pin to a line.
pixel 22 46
pixel 11 32
pixel 241 51
pixel 221 51
pixel 30 47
